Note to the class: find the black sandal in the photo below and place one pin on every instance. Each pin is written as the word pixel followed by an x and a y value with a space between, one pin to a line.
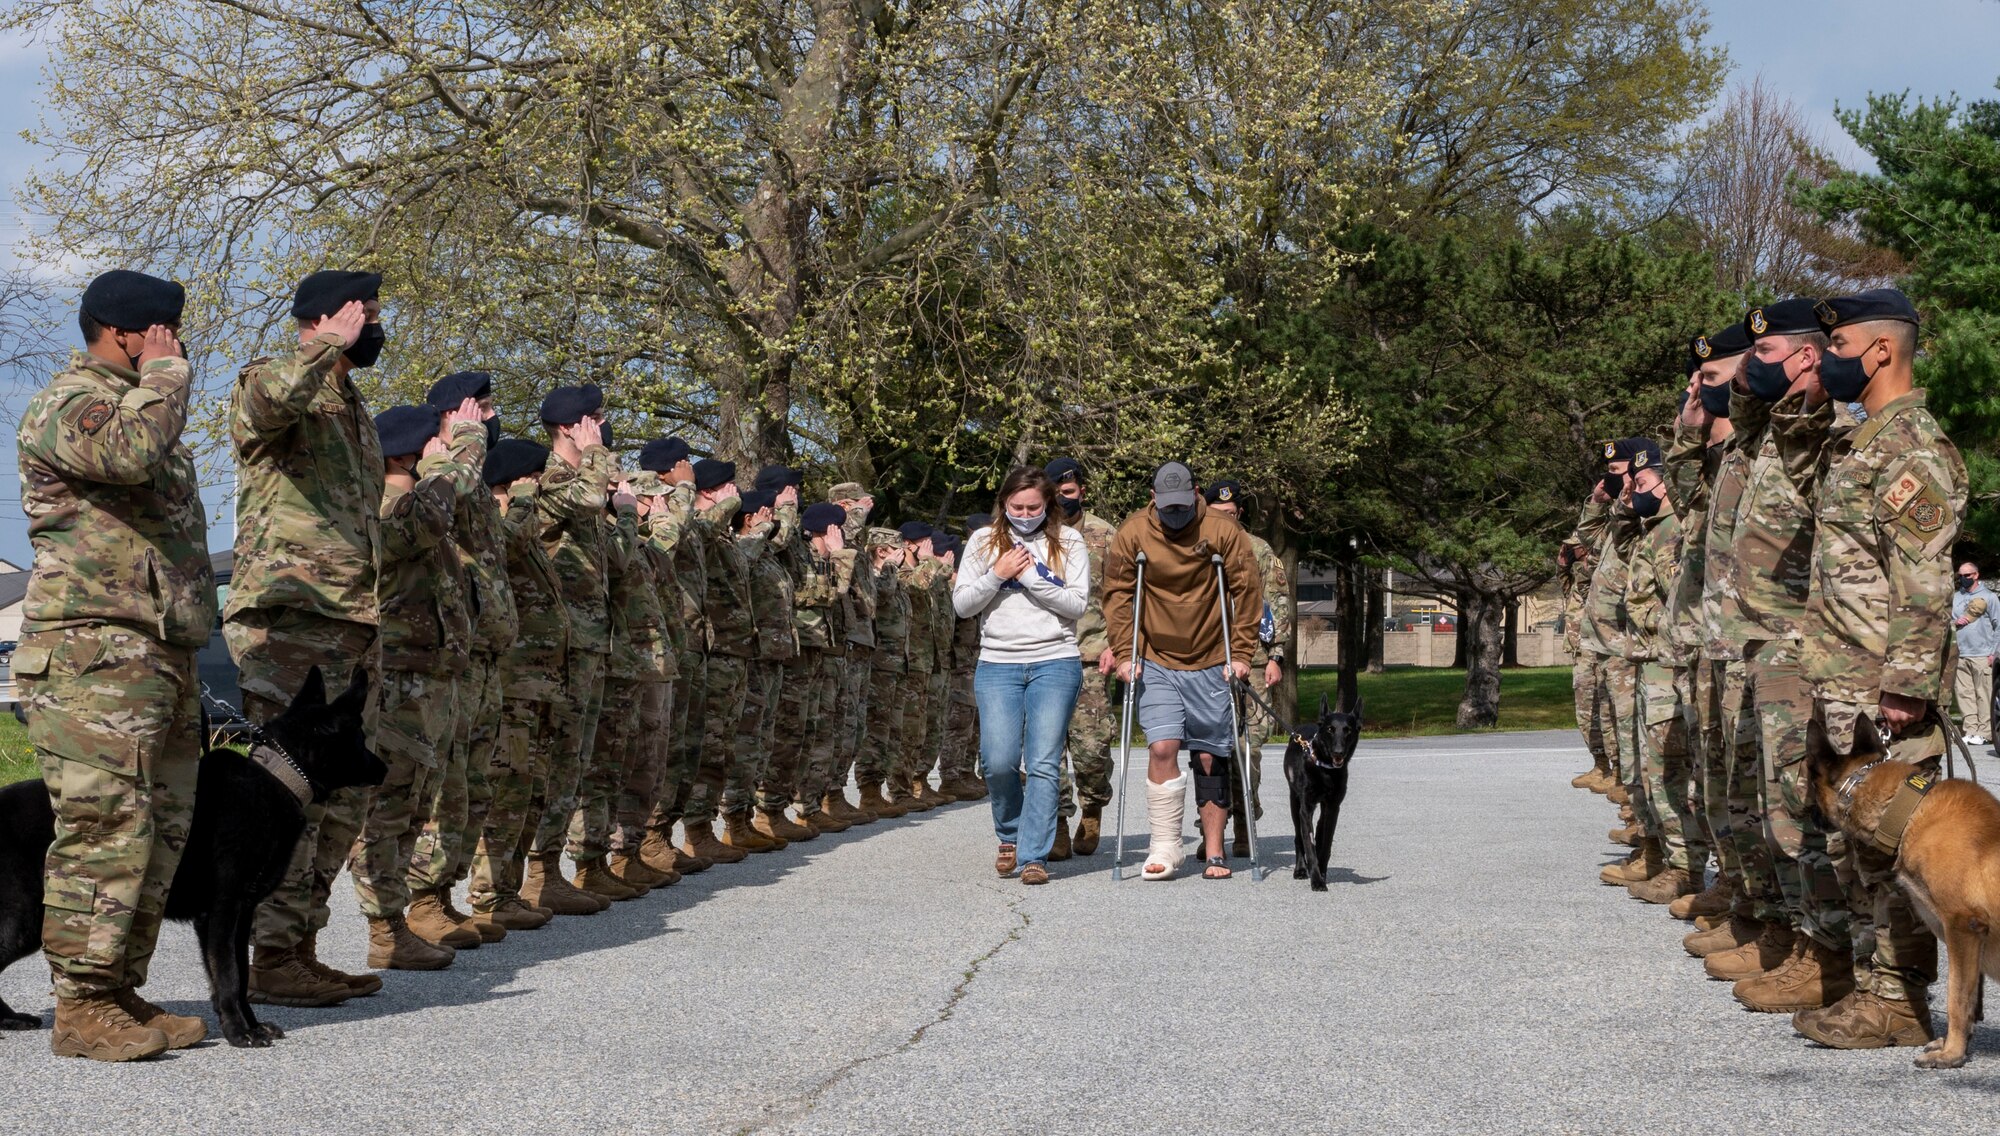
pixel 1215 862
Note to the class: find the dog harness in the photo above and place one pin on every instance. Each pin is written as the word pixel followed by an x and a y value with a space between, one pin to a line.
pixel 1902 806
pixel 279 764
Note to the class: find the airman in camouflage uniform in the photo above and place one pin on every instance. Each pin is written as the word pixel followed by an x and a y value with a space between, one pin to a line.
pixel 309 478
pixel 1573 568
pixel 776 646
pixel 1274 636
pixel 802 752
pixel 959 762
pixel 1084 782
pixel 922 688
pixel 884 737
pixel 1878 636
pixel 673 527
pixel 858 601
pixel 732 622
pixel 1611 526
pixel 651 777
pixel 118 601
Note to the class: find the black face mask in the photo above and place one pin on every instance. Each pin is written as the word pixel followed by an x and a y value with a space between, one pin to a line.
pixel 367 346
pixel 1967 583
pixel 492 431
pixel 1614 484
pixel 1768 381
pixel 1176 517
pixel 1071 506
pixel 1645 504
pixel 1715 399
pixel 1843 377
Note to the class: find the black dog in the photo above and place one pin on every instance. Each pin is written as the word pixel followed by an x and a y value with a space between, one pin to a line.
pixel 249 812
pixel 1316 767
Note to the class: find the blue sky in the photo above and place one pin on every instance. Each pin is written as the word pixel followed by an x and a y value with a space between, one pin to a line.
pixel 1821 54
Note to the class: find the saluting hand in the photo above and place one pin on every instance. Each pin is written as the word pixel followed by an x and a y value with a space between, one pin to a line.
pixel 589 432
pixel 466 411
pixel 434 446
pixel 161 343
pixel 622 493
pixel 345 323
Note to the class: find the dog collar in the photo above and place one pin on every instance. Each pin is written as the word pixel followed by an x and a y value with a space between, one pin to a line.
pixel 279 764
pixel 1896 818
pixel 1852 782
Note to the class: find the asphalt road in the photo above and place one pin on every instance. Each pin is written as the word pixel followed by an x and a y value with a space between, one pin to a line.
pixel 1466 973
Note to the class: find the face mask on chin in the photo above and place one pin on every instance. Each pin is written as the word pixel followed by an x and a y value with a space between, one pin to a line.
pixel 367 346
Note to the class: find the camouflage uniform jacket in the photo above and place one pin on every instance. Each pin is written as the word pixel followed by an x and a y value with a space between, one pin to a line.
pixel 1575 579
pixel 944 617
pixel 539 657
pixel 1604 619
pixel 572 500
pixel 114 509
pixel 308 488
pixel 732 613
pixel 675 532
pixel 858 598
pixel 639 633
pixel 815 588
pixel 920 652
pixel 477 533
pixel 1274 624
pixel 1653 570
pixel 771 595
pixel 892 622
pixel 1724 631
pixel 424 620
pixel 1091 638
pixel 1888 507
pixel 1770 563
pixel 655 541
pixel 1691 469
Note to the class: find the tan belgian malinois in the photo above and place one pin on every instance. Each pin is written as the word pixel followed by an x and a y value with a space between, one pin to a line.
pixel 1945 835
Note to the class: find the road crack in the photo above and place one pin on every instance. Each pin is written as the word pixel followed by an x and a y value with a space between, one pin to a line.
pixel 801 1105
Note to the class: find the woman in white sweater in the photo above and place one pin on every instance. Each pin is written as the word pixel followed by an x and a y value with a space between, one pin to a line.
pixel 1027 577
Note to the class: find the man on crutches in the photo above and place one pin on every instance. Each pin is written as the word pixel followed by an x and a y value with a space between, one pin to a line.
pixel 1180 655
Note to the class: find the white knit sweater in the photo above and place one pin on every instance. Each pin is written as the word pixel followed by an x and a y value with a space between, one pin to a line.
pixel 1031 619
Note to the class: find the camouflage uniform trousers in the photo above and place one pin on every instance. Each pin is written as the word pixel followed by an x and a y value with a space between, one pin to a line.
pixel 923 694
pixel 1603 714
pixel 1093 731
pixel 419 718
pixel 819 726
pixel 530 731
pixel 1258 726
pixel 573 750
pixel 649 753
pixel 274 649
pixel 754 729
pixel 883 736
pixel 1737 748
pixel 1802 852
pixel 452 819
pixel 1895 954
pixel 115 719
pixel 1583 678
pixel 1664 691
pixel 1618 702
pixel 728 690
pixel 604 772
pixel 684 707
pixel 791 721
pixel 961 730
pixel 857 684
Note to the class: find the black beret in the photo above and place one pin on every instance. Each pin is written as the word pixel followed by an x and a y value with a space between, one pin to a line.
pixel 1728 343
pixel 451 390
pixel 1867 307
pixel 773 478
pixel 566 406
pixel 661 455
pixel 133 301
pixel 1225 491
pixel 405 429
pixel 945 544
pixel 1064 469
pixel 976 521
pixel 914 531
pixel 1798 316
pixel 818 518
pixel 752 501
pixel 709 473
pixel 1645 454
pixel 1622 449
pixel 324 293
pixel 511 459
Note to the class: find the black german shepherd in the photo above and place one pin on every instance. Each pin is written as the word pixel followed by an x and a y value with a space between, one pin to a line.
pixel 1316 767
pixel 247 820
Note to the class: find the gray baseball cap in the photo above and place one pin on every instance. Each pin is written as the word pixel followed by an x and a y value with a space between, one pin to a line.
pixel 1173 484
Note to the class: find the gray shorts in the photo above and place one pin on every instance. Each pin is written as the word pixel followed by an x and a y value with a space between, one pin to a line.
pixel 1190 705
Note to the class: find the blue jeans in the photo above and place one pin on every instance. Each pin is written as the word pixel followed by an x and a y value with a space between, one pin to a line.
pixel 1024 711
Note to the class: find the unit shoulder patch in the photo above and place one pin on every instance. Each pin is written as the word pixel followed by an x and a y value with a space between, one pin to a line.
pixel 93 415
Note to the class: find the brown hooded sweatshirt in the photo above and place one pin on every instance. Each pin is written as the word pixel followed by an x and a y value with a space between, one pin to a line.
pixel 1182 620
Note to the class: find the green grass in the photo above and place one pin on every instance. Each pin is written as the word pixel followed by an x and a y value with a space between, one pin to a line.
pixel 1414 701
pixel 17 759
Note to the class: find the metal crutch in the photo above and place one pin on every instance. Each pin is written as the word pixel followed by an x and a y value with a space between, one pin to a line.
pixel 1125 734
pixel 1236 719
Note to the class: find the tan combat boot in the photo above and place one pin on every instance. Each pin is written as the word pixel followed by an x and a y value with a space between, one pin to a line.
pixel 882 804
pixel 777 826
pixel 1818 976
pixel 634 872
pixel 181 1031
pixel 515 914
pixel 594 876
pixel 543 886
pixel 963 787
pixel 836 803
pixel 426 919
pixel 929 798
pixel 1717 898
pixel 825 821
pixel 1060 850
pixel 1768 952
pixel 1665 887
pixel 1647 864
pixel 361 985
pixel 488 929
pixel 1866 1020
pixel 1089 827
pixel 101 1028
pixel 1618 795
pixel 1731 934
pixel 281 978
pixel 658 853
pixel 1586 779
pixel 737 833
pixel 1630 835
pixel 393 946
pixel 701 841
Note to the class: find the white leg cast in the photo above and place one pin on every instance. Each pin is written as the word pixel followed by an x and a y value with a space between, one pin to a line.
pixel 1166 809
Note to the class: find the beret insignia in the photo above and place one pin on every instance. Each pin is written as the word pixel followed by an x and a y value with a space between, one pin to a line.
pixel 94 416
pixel 1227 494
pixel 1639 460
pixel 1610 450
pixel 1701 348
pixel 1757 322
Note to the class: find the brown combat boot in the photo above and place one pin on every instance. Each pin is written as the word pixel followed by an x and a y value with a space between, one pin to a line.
pixel 883 805
pixel 658 853
pixel 1061 849
pixel 1731 934
pixel 825 821
pixel 488 929
pixel 101 1028
pixel 361 985
pixel 1618 795
pixel 543 886
pixel 426 919
pixel 393 946
pixel 181 1031
pixel 737 833
pixel 1647 864
pixel 1630 835
pixel 281 978
pixel 836 803
pixel 777 826
pixel 1717 898
pixel 595 877
pixel 1866 1020
pixel 905 794
pixel 929 798
pixel 632 869
pixel 963 787
pixel 1768 952
pixel 1818 976
pixel 1089 828
pixel 701 841
pixel 1665 887
pixel 515 914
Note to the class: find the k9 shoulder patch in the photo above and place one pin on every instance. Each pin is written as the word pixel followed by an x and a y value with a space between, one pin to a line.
pixel 94 415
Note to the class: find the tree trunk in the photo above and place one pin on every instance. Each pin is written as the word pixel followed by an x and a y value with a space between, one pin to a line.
pixel 1378 614
pixel 1461 599
pixel 1510 654
pixel 1353 613
pixel 1481 631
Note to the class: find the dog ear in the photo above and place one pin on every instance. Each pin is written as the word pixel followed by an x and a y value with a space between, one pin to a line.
pixel 356 696
pixel 1325 706
pixel 313 693
pixel 1357 710
pixel 1867 739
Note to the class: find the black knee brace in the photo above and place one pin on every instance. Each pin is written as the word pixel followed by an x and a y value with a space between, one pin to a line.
pixel 1211 786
